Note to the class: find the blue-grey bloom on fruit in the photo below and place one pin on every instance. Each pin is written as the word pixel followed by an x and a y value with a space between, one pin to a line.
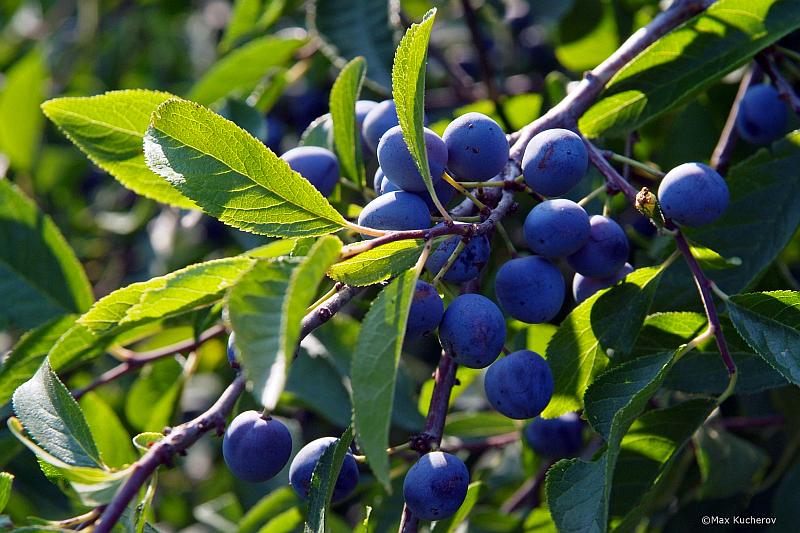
pixel 256 448
pixel 396 211
pixel 469 263
pixel 477 148
pixel 426 310
pixel 554 162
pixel 519 385
pixel 557 228
pixel 318 165
pixel 583 287
pixel 444 191
pixel 399 166
pixel 693 194
pixel 555 437
pixel 306 460
pixel 605 252
pixel 435 487
pixel 530 289
pixel 473 330
pixel 762 115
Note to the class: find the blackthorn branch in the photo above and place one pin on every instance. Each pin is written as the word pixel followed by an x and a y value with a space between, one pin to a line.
pixel 767 62
pixel 720 158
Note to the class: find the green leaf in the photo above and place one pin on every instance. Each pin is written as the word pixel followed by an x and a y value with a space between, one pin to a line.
pixel 27 356
pixel 151 400
pixel 20 121
pixel 315 384
pixel 374 370
pixel 578 491
pixel 408 91
pixel 346 135
pixel 379 264
pixel 266 308
pixel 240 71
pixel 319 133
pixel 109 129
pixel 588 34
pixel 273 504
pixel 711 260
pixel 604 324
pixel 38 270
pixel 688 60
pixel 249 17
pixel 5 489
pixel 323 481
pixel 769 322
pixel 233 176
pixel 52 418
pixel 143 441
pixel 451 524
pixel 472 425
pixel 352 28
pixel 149 301
pixel 717 450
pixel 784 503
pixel 110 436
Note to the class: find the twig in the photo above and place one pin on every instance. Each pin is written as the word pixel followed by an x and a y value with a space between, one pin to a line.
pixel 613 178
pixel 327 309
pixel 529 491
pixel 767 62
pixel 630 162
pixel 721 157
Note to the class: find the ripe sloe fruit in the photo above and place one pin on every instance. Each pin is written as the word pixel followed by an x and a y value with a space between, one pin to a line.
pixel 530 289
pixel 477 148
pixel 444 191
pixel 255 448
pixel 556 228
pixel 693 194
pixel 318 165
pixel 377 181
pixel 519 385
pixel 554 162
pixel 435 487
pixel 426 310
pixel 555 437
pixel 363 107
pixel 306 460
pixel 378 121
pixel 583 287
pixel 398 164
pixel 473 330
pixel 762 115
pixel 605 252
pixel 469 263
pixel 396 211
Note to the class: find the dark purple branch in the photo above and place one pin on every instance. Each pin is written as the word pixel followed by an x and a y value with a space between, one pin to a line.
pixel 721 157
pixel 327 309
pixel 529 491
pixel 584 95
pixel 613 178
pixel 767 62
pixel 162 452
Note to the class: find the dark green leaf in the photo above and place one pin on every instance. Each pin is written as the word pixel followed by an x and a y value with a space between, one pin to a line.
pixel 323 482
pixel 717 452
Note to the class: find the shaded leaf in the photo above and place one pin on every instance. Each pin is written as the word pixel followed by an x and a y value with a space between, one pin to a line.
pixel 110 436
pixel 346 136
pixel 717 450
pixel 20 121
pixel 323 481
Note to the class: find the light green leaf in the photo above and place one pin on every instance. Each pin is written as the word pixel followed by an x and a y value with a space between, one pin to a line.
pixel 110 436
pixel 276 502
pixel 240 71
pixel 109 129
pixel 319 133
pixel 604 325
pixel 769 322
pixel 323 482
pixel 408 91
pixel 379 264
pixel 266 308
pixel 587 35
pixel 151 400
pixel 52 418
pixel 688 60
pixel 38 270
pixel 578 491
pixel 20 121
pixel 717 450
pixel 249 17
pixel 346 136
pixel 351 28
pixel 5 489
pixel 450 525
pixel 233 176
pixel 374 370
pixel 711 260
pixel 476 425
pixel 143 441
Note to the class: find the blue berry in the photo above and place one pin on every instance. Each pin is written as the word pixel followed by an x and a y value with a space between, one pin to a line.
pixel 231 351
pixel 426 311
pixel 377 181
pixel 530 289
pixel 477 148
pixel 396 211
pixel 554 162
pixel 398 164
pixel 519 385
pixel 555 437
pixel 762 115
pixel 255 448
pixel 473 330
pixel 435 487
pixel 318 165
pixel 583 287
pixel 604 253
pixel 693 194
pixel 378 121
pixel 444 191
pixel 306 460
pixel 469 263
pixel 556 228
pixel 363 107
